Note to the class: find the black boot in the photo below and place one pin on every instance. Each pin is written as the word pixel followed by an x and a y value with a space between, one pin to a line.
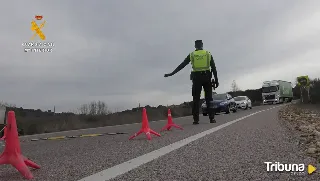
pixel 195 120
pixel 211 116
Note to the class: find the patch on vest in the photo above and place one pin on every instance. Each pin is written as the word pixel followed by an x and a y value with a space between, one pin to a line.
pixel 198 57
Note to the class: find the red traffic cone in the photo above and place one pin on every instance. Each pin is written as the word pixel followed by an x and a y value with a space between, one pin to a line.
pixel 145 127
pixel 12 152
pixel 170 123
pixel 4 133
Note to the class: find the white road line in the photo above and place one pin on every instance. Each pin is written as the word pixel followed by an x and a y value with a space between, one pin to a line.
pixel 125 167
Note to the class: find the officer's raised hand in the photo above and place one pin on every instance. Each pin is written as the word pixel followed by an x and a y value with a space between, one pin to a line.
pixel 167 75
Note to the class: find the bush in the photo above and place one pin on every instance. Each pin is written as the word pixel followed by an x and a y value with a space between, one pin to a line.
pixel 32 129
pixel 315 90
pixel 256 103
pixel 91 119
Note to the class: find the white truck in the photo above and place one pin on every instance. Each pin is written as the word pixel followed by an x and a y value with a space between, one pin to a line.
pixel 276 91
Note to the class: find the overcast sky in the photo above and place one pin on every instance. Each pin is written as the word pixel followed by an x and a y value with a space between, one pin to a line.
pixel 118 51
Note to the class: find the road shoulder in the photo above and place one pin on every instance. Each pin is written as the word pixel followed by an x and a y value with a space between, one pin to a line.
pixel 303 123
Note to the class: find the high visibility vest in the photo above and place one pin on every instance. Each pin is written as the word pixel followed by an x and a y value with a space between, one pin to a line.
pixel 200 60
pixel 303 77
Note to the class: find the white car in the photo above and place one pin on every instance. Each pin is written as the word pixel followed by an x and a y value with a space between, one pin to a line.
pixel 243 102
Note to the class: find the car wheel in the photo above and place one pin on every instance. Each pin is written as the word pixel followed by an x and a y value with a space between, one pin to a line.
pixel 281 100
pixel 250 107
pixel 228 109
pixel 234 109
pixel 246 107
pixel 204 114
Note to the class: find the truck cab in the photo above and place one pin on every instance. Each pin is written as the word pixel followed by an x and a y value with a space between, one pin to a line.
pixel 270 92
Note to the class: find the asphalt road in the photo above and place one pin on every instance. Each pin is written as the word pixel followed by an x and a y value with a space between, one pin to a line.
pixel 236 152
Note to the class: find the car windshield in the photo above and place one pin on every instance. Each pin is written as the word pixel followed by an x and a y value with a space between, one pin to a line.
pixel 219 96
pixel 269 89
pixel 240 98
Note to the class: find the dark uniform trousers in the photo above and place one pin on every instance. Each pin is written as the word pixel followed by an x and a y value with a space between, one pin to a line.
pixel 199 80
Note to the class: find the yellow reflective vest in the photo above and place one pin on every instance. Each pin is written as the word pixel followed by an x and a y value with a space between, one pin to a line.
pixel 200 60
pixel 303 77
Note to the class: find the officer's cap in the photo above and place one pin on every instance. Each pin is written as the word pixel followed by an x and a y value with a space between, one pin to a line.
pixel 198 42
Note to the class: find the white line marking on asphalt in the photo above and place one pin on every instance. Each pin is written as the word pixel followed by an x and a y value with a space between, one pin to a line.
pixel 125 167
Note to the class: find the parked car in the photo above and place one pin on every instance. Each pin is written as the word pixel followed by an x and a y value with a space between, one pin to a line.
pixel 243 102
pixel 221 103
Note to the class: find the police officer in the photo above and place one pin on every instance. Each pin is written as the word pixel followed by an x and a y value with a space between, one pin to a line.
pixel 201 75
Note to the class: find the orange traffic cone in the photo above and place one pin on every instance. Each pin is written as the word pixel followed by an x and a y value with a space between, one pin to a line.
pixel 4 133
pixel 145 127
pixel 12 152
pixel 170 123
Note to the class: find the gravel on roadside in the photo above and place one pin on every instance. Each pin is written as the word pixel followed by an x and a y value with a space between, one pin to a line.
pixel 305 124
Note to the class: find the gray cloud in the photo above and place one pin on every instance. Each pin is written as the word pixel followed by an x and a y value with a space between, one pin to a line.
pixel 118 51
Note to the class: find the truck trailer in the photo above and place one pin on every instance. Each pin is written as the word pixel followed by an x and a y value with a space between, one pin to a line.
pixel 276 91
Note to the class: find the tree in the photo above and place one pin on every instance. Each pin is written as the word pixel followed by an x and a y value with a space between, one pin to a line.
pixel 5 104
pixel 234 86
pixel 94 108
pixel 83 109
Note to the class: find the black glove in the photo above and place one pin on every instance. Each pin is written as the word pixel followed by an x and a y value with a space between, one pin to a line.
pixel 217 84
pixel 167 75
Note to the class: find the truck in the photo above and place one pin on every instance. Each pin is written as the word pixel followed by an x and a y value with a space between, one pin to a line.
pixel 276 91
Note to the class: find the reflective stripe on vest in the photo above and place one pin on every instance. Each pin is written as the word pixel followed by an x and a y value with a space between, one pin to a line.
pixel 200 60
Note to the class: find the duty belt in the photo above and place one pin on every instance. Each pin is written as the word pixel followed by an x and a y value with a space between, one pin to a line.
pixel 203 72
